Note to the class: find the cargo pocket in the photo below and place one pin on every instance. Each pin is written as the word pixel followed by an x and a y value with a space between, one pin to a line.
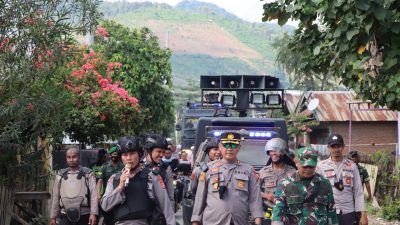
pixel 295 205
pixel 321 203
pixel 241 182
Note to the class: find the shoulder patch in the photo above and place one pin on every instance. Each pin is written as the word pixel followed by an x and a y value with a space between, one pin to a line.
pixel 256 175
pixel 192 176
pixel 202 177
pixel 160 180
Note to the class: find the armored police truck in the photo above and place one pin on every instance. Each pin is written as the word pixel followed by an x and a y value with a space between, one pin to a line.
pixel 246 103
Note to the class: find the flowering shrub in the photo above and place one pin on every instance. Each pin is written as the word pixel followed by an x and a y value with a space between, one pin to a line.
pixel 102 108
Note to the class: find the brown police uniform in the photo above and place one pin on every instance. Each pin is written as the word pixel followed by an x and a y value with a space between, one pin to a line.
pixel 241 196
pixel 270 177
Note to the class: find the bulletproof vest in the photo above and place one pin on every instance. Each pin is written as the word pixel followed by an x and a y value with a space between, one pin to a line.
pixel 74 188
pixel 135 192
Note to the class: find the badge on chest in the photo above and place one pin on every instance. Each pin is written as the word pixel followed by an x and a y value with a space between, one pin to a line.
pixel 270 183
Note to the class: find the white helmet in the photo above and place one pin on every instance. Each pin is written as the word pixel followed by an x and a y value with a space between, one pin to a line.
pixel 276 144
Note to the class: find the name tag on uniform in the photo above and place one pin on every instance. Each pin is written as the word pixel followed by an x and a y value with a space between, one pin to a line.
pixel 329 173
pixel 347 174
pixel 215 169
pixel 270 184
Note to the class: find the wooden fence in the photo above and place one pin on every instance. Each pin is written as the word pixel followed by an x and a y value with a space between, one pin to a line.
pixel 388 177
pixel 6 204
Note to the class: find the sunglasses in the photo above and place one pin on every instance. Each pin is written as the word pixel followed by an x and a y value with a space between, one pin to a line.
pixel 230 145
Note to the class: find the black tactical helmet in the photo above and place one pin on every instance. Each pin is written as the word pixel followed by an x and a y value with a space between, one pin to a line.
pixel 130 144
pixel 155 141
pixel 212 143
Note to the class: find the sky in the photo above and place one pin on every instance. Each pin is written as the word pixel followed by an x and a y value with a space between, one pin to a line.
pixel 250 10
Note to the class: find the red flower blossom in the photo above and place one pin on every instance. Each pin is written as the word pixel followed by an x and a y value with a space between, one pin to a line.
pixel 103 83
pixel 133 100
pixel 4 43
pixel 101 31
pixel 30 106
pixel 96 95
pixel 92 53
pixel 87 66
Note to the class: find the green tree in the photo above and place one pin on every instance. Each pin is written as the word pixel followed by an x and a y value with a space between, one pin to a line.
pixel 357 41
pixel 34 44
pixel 290 61
pixel 145 72
pixel 34 36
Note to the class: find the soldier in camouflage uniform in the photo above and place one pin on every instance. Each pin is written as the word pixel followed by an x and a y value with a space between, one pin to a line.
pixel 305 198
pixel 279 166
pixel 353 156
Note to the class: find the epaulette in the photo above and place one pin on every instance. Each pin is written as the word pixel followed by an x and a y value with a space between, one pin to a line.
pixel 156 171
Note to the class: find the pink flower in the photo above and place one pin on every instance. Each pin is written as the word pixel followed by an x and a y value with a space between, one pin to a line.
pixel 92 53
pixel 96 95
pixel 4 43
pixel 103 117
pixel 103 83
pixel 78 74
pixel 101 31
pixel 30 106
pixel 112 65
pixel 87 66
pixel 134 101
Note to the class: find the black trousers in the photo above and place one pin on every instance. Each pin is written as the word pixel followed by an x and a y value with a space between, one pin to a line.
pixel 346 219
pixel 84 220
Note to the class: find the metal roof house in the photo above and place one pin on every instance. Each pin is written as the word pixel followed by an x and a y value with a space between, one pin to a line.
pixel 363 126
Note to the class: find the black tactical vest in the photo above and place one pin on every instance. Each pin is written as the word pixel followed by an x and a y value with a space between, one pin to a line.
pixel 138 204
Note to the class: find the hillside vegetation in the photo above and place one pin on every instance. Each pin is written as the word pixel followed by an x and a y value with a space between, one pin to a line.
pixel 204 38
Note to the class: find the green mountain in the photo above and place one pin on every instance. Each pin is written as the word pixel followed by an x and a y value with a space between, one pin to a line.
pixel 205 39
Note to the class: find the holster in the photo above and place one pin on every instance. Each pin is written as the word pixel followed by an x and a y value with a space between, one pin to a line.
pixel 72 208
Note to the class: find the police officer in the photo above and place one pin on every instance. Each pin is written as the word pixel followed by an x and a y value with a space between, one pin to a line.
pixel 346 183
pixel 74 194
pixel 279 166
pixel 213 152
pixel 228 190
pixel 155 146
pixel 114 165
pixel 134 193
pixel 304 198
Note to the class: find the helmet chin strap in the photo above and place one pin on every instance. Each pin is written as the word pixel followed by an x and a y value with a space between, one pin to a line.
pixel 151 157
pixel 279 161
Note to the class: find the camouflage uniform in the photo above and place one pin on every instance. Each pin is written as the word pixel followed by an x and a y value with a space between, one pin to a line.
pixel 298 203
pixel 363 174
pixel 107 171
pixel 304 201
pixel 269 179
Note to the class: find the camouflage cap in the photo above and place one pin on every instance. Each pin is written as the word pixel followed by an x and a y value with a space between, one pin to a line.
pixel 307 156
